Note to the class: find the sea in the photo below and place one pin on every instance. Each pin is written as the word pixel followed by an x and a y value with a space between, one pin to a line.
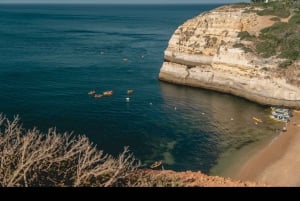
pixel 51 56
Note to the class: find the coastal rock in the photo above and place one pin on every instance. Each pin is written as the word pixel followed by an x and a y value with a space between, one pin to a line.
pixel 169 178
pixel 203 53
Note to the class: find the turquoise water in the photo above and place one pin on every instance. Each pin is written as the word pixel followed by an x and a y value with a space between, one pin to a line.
pixel 51 56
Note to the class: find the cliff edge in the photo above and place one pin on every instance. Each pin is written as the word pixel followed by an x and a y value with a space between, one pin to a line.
pixel 218 50
pixel 169 178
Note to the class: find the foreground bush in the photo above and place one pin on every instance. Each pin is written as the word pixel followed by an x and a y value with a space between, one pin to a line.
pixel 33 158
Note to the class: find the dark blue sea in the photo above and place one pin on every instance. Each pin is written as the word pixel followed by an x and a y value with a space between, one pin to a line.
pixel 51 56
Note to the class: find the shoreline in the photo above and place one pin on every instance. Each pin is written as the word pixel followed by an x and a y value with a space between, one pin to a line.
pixel 278 163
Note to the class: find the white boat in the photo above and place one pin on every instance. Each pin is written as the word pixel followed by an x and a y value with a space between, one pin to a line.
pixel 279 118
pixel 280 114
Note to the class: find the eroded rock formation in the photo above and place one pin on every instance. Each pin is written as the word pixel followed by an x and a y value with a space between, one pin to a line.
pixel 204 52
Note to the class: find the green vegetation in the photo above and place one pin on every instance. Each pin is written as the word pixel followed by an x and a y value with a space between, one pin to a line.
pixel 240 5
pixel 282 39
pixel 279 11
pixel 276 19
pixel 291 54
pixel 244 35
pixel 258 1
pixel 243 47
pixel 285 64
pixel 295 20
pixel 238 45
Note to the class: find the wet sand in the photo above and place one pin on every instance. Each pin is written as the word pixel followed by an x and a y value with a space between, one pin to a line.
pixel 278 164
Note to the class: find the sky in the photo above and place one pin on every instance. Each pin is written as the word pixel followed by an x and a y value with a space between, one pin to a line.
pixel 124 1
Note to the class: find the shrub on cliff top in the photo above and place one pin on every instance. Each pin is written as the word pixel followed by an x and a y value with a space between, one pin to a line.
pixel 295 19
pixel 290 54
pixel 240 5
pixel 32 158
pixel 278 9
pixel 285 64
pixel 275 19
pixel 282 12
pixel 243 47
pixel 266 48
pixel 244 35
pixel 276 29
pixel 282 38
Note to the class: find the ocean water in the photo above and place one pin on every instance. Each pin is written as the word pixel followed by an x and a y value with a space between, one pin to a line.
pixel 51 56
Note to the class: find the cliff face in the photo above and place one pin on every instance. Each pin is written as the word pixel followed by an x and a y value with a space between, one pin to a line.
pixel 203 53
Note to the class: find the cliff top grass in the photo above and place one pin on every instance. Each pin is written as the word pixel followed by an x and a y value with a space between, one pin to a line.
pixel 282 39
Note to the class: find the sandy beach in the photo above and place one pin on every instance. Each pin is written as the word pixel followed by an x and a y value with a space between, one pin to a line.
pixel 278 164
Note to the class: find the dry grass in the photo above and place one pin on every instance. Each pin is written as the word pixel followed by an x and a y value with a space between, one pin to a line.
pixel 33 158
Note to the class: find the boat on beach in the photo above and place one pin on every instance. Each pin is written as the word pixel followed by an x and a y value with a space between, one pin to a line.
pixel 279 118
pixel 280 114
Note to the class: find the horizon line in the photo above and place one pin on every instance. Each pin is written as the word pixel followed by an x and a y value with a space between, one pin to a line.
pixel 87 3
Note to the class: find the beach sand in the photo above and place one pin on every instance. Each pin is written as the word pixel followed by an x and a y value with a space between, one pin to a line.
pixel 278 164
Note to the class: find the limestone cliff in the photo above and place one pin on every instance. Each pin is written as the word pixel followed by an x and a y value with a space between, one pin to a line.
pixel 203 52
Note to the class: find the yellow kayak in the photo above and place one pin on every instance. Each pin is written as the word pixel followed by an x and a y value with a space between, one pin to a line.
pixel 257 119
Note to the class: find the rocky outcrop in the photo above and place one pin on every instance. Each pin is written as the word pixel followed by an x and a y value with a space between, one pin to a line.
pixel 169 178
pixel 206 52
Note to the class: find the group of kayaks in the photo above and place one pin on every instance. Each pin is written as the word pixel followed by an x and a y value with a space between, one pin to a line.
pixel 94 94
pixel 281 114
pixel 278 114
pixel 105 93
